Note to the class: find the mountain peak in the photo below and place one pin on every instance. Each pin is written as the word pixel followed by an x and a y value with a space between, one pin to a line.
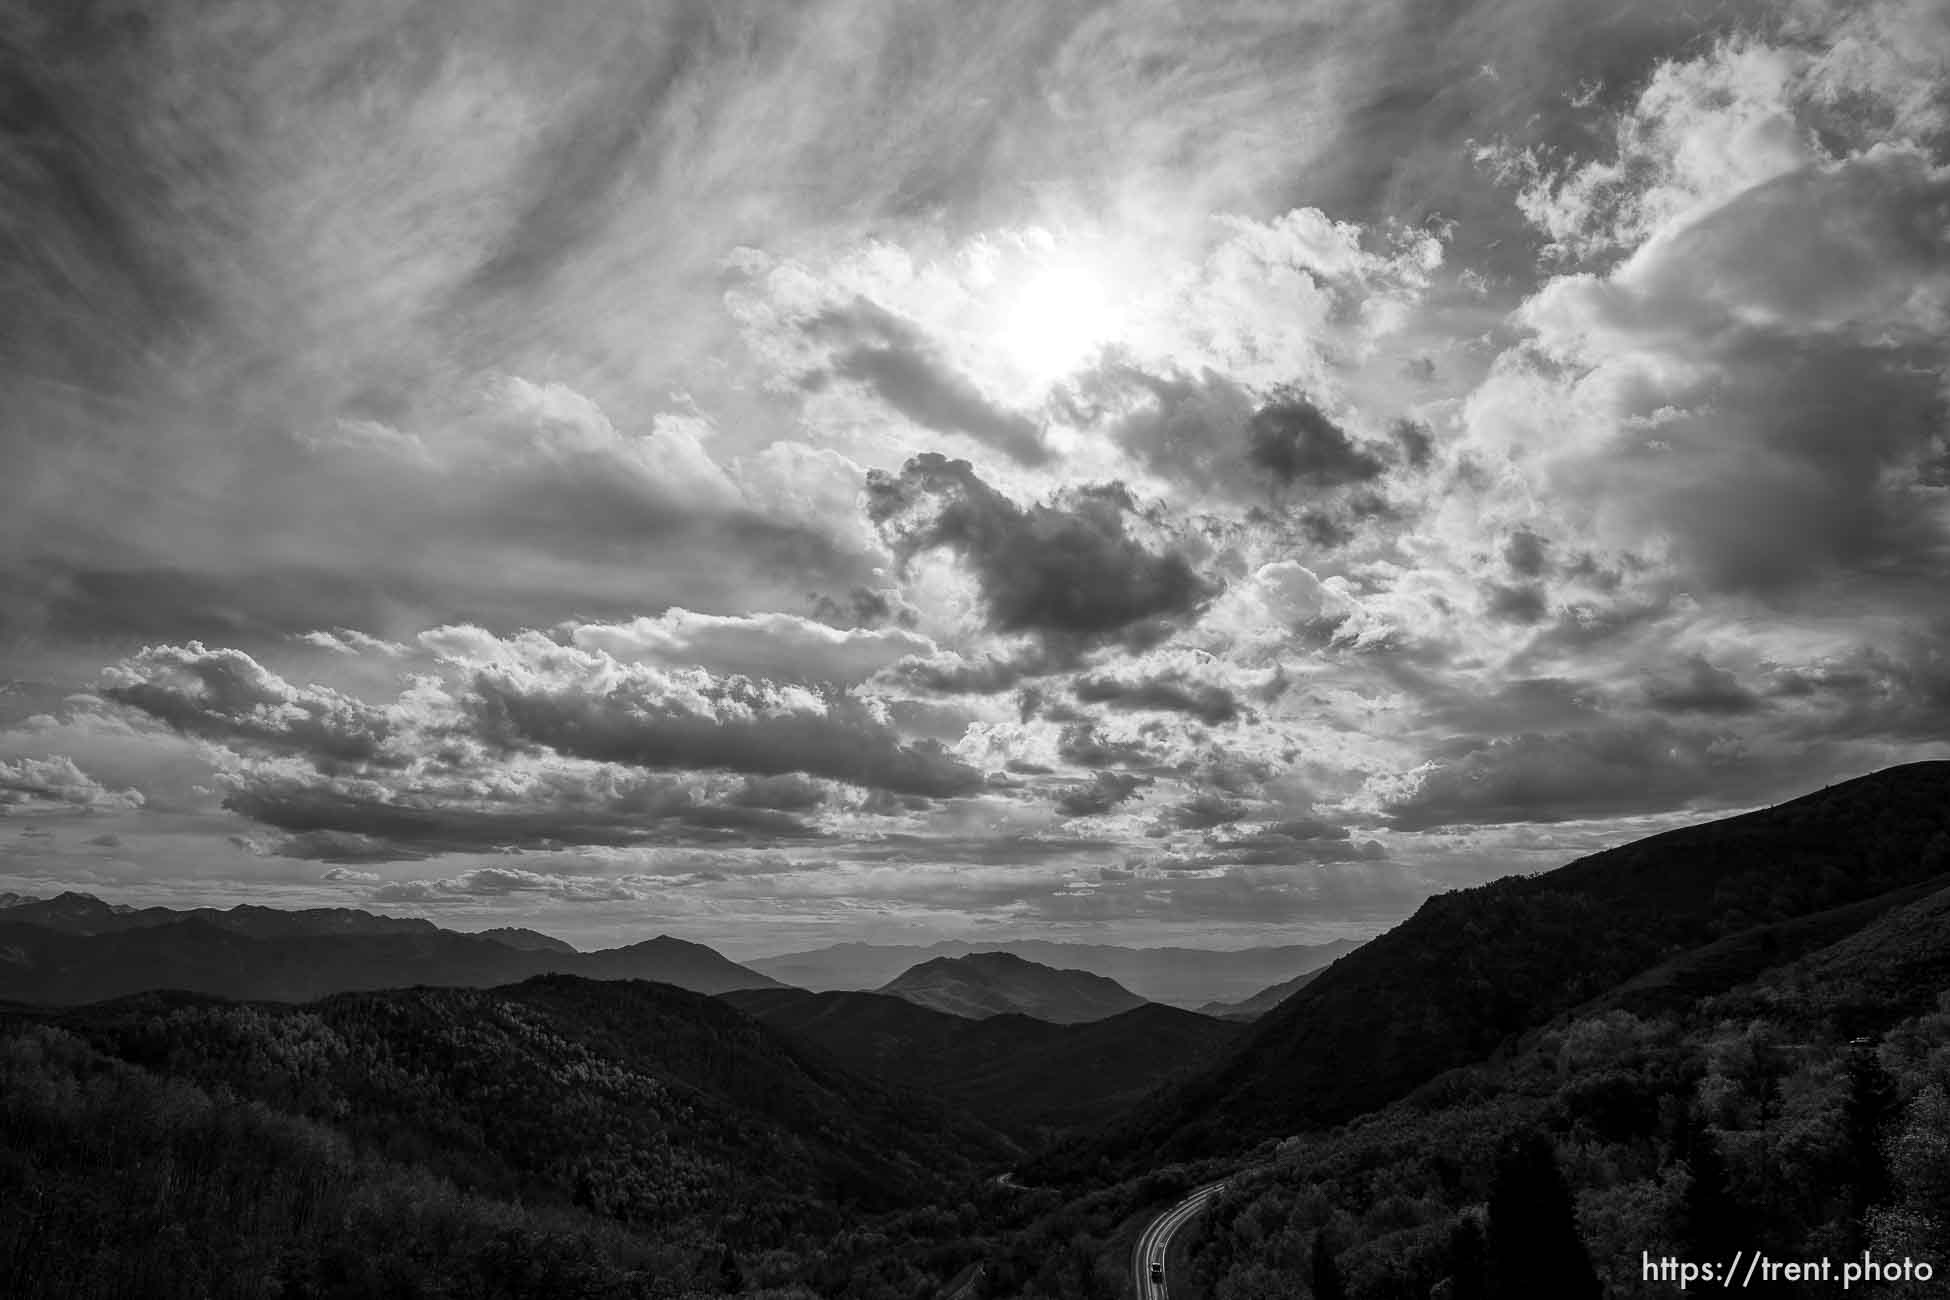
pixel 986 984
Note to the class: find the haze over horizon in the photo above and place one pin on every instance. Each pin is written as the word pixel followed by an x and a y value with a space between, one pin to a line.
pixel 1118 472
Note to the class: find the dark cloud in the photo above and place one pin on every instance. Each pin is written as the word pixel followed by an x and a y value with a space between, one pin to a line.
pixel 789 792
pixel 1295 442
pixel 1523 603
pixel 987 850
pixel 1416 441
pixel 897 363
pixel 735 729
pixel 1205 810
pixel 1703 689
pixel 352 824
pixel 1105 791
pixel 1281 843
pixel 1169 692
pixel 1611 770
pixel 949 673
pixel 1527 554
pixel 1523 704
pixel 1069 571
pixel 1082 744
pixel 1192 430
pixel 225 695
pixel 864 607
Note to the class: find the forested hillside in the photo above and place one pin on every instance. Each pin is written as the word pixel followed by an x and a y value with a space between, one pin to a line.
pixel 617 1132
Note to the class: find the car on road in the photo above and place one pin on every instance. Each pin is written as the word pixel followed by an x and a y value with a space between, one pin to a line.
pixel 1157 1270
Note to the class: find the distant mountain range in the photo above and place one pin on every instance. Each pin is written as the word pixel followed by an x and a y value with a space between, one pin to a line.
pixel 75 948
pixel 1260 1003
pixel 1019 1074
pixel 986 984
pixel 1185 977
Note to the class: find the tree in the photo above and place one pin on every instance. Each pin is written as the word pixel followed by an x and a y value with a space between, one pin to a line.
pixel 1867 1110
pixel 1534 1245
pixel 1714 1224
pixel 1469 1264
pixel 1326 1273
pixel 731 1278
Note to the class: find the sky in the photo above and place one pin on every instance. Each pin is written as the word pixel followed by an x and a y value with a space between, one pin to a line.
pixel 1130 471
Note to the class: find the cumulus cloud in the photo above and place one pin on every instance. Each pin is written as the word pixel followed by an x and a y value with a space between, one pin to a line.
pixel 225 695
pixel 1169 692
pixel 55 784
pixel 1294 442
pixel 1752 390
pixel 1105 791
pixel 529 691
pixel 783 647
pixel 1070 571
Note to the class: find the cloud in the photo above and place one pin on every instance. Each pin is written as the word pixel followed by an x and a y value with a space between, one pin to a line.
pixel 347 641
pixel 501 882
pixel 1105 791
pixel 1620 769
pixel 1070 572
pixel 782 647
pixel 788 793
pixel 55 784
pixel 529 691
pixel 893 359
pixel 1291 439
pixel 1302 839
pixel 1703 689
pixel 1205 810
pixel 1754 393
pixel 1170 692
pixel 225 695
pixel 1082 744
pixel 354 821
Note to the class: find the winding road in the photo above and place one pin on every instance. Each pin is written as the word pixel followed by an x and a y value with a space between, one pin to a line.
pixel 1156 1238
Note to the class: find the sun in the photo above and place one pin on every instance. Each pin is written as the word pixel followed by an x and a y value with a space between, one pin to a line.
pixel 1057 317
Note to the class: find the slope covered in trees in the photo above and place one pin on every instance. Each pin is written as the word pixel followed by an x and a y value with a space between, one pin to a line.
pixel 669 1117
pixel 1802 1114
pixel 1017 1073
pixel 999 983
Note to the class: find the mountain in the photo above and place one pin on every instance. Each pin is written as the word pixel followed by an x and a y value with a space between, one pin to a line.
pixel 1777 1106
pixel 203 955
pixel 1181 976
pixel 673 961
pixel 1260 1003
pixel 1016 1073
pixel 1475 968
pixel 999 983
pixel 537 1139
pixel 74 913
pixel 525 940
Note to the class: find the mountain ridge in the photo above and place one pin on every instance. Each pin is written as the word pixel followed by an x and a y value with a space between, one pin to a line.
pixel 986 984
pixel 1186 977
pixel 202 954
